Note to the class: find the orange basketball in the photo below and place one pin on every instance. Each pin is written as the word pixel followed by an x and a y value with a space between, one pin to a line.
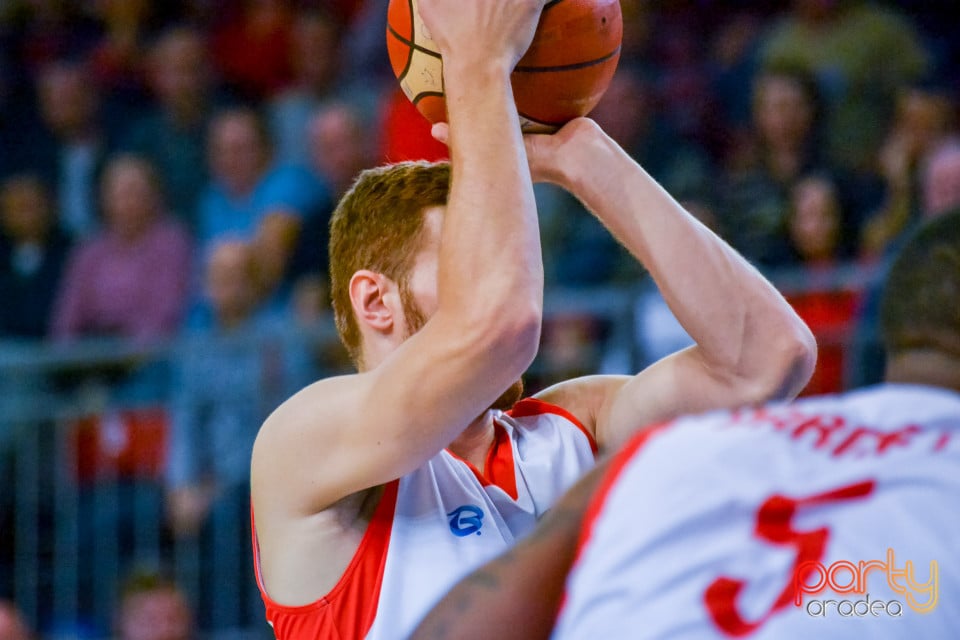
pixel 562 75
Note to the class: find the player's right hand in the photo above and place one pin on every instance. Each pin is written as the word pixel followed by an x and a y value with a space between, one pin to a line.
pixel 546 151
pixel 482 31
pixel 549 155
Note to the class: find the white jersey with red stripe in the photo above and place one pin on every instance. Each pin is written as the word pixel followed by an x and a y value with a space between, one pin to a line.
pixel 440 522
pixel 832 517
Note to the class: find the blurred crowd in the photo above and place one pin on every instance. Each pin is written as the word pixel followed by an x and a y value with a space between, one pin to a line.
pixel 142 140
pixel 168 170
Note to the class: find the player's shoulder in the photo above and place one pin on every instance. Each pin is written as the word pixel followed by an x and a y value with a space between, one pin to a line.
pixel 583 397
pixel 323 406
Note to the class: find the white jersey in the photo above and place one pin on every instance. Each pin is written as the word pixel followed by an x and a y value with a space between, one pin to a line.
pixel 440 522
pixel 833 517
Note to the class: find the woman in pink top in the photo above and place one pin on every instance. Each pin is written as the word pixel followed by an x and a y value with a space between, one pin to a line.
pixel 130 280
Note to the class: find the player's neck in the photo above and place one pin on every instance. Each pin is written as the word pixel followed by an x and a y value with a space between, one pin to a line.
pixel 474 442
pixel 928 367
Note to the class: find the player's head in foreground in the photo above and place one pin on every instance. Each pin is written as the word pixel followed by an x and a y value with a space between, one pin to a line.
pixel 384 245
pixel 920 309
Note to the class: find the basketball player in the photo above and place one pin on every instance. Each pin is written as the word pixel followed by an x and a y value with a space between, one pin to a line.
pixel 373 493
pixel 834 517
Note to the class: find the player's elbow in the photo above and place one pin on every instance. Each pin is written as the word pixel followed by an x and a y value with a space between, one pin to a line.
pixel 524 338
pixel 789 364
pixel 511 337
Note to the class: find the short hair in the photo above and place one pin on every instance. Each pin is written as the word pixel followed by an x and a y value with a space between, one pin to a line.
pixel 920 306
pixel 378 226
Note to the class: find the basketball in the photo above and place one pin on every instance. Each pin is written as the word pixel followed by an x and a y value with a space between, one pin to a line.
pixel 562 75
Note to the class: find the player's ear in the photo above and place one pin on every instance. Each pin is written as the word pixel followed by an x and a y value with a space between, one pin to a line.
pixel 374 298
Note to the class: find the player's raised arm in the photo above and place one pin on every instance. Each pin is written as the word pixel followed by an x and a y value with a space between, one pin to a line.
pixel 475 271
pixel 750 345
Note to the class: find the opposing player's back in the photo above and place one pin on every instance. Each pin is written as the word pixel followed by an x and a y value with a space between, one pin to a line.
pixel 804 520
pixel 834 517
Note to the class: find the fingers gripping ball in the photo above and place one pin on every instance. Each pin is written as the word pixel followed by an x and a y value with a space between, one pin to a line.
pixel 563 74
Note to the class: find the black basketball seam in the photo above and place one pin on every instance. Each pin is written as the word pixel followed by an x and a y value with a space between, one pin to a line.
pixel 551 4
pixel 568 67
pixel 425 94
pixel 412 47
pixel 406 67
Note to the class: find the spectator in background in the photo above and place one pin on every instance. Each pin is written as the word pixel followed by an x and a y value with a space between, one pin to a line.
pixel 13 626
pixel 172 134
pixel 70 145
pixel 235 367
pixel 339 145
pixel 784 145
pixel 339 148
pixel 860 53
pixel 250 50
pixel 130 280
pixel 732 65
pixel 118 60
pixel 815 226
pixel 251 197
pixel 43 31
pixel 151 606
pixel 925 119
pixel 33 252
pixel 941 179
pixel 815 223
pixel 315 60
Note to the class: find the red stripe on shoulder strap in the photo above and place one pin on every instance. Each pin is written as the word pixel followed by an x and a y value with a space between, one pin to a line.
pixel 349 609
pixel 536 407
pixel 499 469
pixel 355 598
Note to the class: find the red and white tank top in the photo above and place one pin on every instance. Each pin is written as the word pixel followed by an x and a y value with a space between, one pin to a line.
pixel 440 522
pixel 832 517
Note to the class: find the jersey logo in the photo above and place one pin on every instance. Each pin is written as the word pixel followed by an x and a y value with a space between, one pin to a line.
pixel 466 520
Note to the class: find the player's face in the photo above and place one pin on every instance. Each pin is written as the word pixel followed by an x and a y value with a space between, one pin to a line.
pixel 419 293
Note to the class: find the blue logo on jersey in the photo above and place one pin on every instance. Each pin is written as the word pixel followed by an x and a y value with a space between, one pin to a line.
pixel 466 520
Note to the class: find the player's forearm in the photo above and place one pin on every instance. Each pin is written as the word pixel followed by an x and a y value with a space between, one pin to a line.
pixel 745 331
pixel 490 260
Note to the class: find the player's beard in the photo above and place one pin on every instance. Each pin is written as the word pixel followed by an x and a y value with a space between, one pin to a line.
pixel 416 319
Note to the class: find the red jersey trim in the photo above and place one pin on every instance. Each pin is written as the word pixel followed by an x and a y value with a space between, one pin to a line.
pixel 536 407
pixel 498 465
pixel 349 609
